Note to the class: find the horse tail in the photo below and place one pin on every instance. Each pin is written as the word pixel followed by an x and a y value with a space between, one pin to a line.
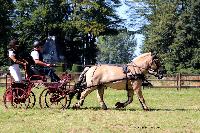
pixel 81 83
pixel 82 75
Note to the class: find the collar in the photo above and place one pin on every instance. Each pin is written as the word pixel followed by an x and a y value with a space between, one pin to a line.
pixel 35 49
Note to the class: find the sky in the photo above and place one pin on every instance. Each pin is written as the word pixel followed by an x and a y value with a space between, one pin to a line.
pixel 122 12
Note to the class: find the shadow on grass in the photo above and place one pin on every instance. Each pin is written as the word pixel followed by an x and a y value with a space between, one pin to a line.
pixel 113 108
pixel 174 109
pixel 99 108
pixel 124 109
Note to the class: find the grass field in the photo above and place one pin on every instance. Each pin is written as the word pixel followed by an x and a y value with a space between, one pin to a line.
pixel 171 111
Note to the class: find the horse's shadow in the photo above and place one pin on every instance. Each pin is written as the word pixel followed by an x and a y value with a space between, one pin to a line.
pixel 177 109
pixel 99 108
pixel 125 109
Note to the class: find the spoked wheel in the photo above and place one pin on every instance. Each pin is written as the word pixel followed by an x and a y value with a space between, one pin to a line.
pixel 8 98
pixel 32 100
pixel 16 98
pixel 52 99
pixel 42 99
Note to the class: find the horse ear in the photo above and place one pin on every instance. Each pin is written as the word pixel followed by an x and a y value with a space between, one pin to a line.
pixel 154 54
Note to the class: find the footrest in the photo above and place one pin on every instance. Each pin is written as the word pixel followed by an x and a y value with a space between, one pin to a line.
pixel 18 85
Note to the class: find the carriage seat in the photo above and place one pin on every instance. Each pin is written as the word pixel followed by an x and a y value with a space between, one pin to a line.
pixel 38 77
pixel 34 74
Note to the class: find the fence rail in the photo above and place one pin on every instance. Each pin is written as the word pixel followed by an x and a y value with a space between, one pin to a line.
pixel 176 81
pixel 169 81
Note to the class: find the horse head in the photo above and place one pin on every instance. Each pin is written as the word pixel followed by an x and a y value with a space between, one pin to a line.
pixel 149 63
pixel 156 68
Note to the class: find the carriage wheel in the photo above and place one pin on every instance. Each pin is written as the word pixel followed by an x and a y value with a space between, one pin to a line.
pixel 8 98
pixel 32 100
pixel 55 99
pixel 42 98
pixel 16 98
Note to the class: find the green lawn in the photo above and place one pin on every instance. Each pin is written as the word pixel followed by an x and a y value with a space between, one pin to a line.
pixel 171 111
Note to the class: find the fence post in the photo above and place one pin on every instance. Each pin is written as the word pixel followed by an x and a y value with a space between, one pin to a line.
pixel 178 81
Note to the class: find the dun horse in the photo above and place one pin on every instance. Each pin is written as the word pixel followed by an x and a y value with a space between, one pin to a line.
pixel 127 77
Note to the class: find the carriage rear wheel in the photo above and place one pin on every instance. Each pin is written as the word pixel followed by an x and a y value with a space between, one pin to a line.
pixel 16 98
pixel 54 99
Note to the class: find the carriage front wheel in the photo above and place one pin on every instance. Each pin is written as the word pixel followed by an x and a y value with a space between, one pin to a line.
pixel 54 99
pixel 32 100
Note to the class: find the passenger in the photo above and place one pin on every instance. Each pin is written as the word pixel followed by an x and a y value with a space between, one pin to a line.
pixel 14 60
pixel 40 65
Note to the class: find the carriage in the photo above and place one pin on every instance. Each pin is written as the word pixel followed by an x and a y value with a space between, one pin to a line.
pixel 20 94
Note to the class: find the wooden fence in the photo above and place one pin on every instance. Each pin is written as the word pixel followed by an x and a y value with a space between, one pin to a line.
pixel 177 81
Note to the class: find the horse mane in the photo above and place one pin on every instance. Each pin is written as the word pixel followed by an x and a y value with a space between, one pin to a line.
pixel 141 56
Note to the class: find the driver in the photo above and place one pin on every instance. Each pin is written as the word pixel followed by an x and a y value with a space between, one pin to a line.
pixel 40 65
pixel 14 60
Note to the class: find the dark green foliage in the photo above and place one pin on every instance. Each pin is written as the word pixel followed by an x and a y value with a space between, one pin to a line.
pixel 6 8
pixel 74 23
pixel 173 32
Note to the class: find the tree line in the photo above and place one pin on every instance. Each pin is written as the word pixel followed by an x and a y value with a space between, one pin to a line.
pixel 90 31
pixel 76 24
pixel 173 30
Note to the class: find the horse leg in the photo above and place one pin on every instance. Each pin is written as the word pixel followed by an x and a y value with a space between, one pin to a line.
pixel 137 89
pixel 130 94
pixel 82 98
pixel 100 93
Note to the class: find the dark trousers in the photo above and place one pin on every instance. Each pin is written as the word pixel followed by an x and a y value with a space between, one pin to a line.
pixel 50 72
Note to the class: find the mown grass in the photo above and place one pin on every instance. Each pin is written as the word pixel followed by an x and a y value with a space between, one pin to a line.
pixel 171 111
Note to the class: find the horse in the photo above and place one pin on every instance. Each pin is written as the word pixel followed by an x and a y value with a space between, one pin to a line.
pixel 128 77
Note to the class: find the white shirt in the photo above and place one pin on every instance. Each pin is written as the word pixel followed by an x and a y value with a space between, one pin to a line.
pixel 11 53
pixel 35 55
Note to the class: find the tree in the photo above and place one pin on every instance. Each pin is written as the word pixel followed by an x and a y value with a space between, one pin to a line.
pixel 116 49
pixel 74 23
pixel 91 25
pixel 159 34
pixel 6 8
pixel 173 31
pixel 184 51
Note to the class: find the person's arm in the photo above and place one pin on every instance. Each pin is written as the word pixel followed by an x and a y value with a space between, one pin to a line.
pixel 35 56
pixel 41 63
pixel 13 58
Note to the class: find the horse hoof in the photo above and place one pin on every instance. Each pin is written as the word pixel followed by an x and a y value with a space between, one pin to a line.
pixel 119 105
pixel 104 108
pixel 147 109
pixel 75 106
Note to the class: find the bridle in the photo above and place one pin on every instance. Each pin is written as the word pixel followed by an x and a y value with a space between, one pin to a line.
pixel 151 71
pixel 158 72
